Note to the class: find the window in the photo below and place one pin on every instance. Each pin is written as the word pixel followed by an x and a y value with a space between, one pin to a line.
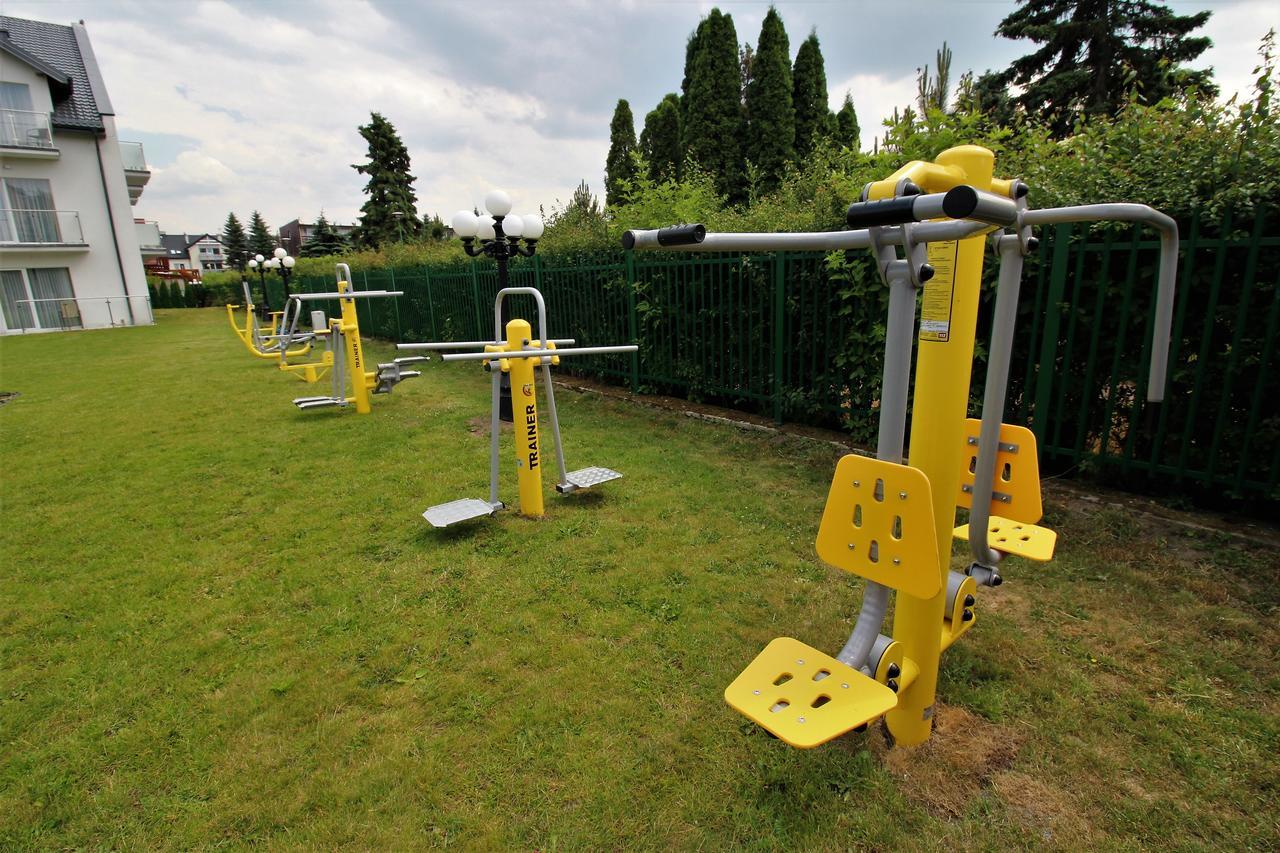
pixel 39 298
pixel 15 96
pixel 29 216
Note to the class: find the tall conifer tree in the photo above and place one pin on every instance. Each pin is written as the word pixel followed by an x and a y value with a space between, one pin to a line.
pixel 809 96
pixel 1088 50
pixel 235 243
pixel 660 139
pixel 847 133
pixel 771 116
pixel 390 213
pixel 620 167
pixel 261 240
pixel 713 106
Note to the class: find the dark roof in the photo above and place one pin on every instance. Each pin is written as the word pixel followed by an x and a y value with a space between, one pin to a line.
pixel 66 52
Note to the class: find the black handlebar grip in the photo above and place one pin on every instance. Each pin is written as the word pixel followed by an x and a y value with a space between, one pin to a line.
pixel 682 235
pixel 960 202
pixel 889 211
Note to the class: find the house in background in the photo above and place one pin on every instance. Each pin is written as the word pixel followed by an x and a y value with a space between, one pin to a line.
pixel 197 253
pixel 294 234
pixel 69 246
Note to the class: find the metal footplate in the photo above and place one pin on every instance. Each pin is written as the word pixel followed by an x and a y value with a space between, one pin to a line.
pixel 585 478
pixel 389 375
pixel 805 697
pixel 1018 538
pixel 305 403
pixel 456 512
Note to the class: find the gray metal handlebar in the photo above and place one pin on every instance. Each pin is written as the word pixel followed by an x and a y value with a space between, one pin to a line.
pixel 535 353
pixel 1166 281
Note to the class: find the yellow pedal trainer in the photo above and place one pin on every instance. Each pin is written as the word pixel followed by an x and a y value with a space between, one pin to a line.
pixel 1017 538
pixel 878 524
pixel 1015 491
pixel 804 697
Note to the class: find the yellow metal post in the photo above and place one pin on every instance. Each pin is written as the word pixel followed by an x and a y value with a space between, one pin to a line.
pixel 355 352
pixel 524 403
pixel 948 318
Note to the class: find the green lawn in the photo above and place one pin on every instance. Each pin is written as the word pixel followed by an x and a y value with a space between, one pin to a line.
pixel 224 622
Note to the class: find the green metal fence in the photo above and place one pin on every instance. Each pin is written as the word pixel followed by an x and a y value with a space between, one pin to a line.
pixel 799 336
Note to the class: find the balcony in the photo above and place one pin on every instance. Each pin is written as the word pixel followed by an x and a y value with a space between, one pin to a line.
pixel 24 133
pixel 149 239
pixel 136 173
pixel 41 230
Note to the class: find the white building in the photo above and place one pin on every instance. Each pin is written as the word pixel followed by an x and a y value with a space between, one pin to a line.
pixel 199 252
pixel 69 246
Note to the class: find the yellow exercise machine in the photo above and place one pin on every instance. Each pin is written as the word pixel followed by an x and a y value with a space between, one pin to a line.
pixel 892 523
pixel 515 352
pixel 265 345
pixel 345 352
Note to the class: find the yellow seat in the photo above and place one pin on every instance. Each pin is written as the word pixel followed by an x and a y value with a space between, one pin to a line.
pixel 804 697
pixel 1017 538
pixel 1015 492
pixel 878 524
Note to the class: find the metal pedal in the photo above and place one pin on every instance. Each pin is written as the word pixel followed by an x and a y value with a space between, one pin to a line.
pixel 389 375
pixel 805 697
pixel 1017 538
pixel 305 403
pixel 455 512
pixel 585 478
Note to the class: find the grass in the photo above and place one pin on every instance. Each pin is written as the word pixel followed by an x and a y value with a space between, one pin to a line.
pixel 223 622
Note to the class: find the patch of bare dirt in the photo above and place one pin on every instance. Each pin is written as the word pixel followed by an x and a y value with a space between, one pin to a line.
pixel 949 770
pixel 479 425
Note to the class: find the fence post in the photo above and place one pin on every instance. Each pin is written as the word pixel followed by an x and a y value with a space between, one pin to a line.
pixel 537 271
pixel 779 317
pixel 431 308
pixel 395 303
pixel 475 302
pixel 1049 337
pixel 632 322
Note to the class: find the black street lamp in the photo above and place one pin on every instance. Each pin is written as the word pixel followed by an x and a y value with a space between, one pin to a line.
pixel 280 261
pixel 499 234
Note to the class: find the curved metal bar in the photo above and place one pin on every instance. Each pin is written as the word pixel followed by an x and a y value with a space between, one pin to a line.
pixel 339 269
pixel 497 312
pixel 1123 212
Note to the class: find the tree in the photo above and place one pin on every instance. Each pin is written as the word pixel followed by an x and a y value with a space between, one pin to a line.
pixel 809 96
pixel 620 166
pixel 390 213
pixel 771 116
pixel 847 133
pixel 235 243
pixel 324 240
pixel 1094 51
pixel 931 94
pixel 987 96
pixel 584 202
pixel 713 104
pixel 260 240
pixel 660 140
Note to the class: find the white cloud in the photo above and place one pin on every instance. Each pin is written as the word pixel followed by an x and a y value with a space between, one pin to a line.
pixel 875 97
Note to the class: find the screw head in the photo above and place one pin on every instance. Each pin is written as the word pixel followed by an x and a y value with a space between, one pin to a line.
pixel 755 692
pixel 897 562
pixel 850 546
pixel 902 496
pixel 800 720
pixel 857 483
pixel 799 663
pixel 845 686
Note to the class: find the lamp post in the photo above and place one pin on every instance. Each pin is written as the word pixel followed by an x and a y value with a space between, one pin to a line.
pixel 499 234
pixel 280 261
pixel 257 264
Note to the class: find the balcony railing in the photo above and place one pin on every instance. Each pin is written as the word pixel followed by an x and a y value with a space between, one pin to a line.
pixel 134 159
pixel 148 236
pixel 25 129
pixel 40 227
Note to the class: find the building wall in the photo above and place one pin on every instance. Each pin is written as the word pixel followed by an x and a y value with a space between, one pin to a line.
pixel 77 184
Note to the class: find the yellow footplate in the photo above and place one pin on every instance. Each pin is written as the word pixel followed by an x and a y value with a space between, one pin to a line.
pixel 1029 541
pixel 804 697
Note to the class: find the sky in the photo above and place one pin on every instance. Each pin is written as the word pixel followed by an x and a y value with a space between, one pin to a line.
pixel 255 105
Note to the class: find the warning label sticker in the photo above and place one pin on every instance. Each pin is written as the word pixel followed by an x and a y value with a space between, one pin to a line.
pixel 935 306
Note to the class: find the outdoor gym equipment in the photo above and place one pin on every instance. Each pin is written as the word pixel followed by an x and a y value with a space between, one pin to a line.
pixel 891 523
pixel 515 355
pixel 268 344
pixel 345 352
